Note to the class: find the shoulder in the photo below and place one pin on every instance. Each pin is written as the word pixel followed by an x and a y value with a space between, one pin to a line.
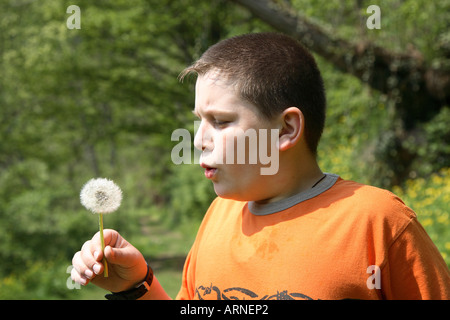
pixel 372 200
pixel 376 213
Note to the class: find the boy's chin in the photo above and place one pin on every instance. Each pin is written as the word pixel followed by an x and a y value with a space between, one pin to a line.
pixel 224 192
pixel 230 193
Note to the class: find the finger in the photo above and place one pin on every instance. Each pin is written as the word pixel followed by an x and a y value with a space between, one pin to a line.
pixel 90 253
pixel 93 267
pixel 78 278
pixel 89 258
pixel 78 264
pixel 78 272
pixel 81 268
pixel 110 237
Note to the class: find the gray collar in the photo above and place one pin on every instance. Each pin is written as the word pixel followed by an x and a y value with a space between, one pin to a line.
pixel 265 209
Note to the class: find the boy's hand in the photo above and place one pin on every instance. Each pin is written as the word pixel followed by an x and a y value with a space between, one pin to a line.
pixel 126 265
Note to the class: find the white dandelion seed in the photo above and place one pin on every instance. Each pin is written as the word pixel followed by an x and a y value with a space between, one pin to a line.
pixel 101 196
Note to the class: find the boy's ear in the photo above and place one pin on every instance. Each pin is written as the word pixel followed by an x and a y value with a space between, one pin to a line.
pixel 292 126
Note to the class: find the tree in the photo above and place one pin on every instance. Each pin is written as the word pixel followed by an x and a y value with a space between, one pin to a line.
pixel 100 100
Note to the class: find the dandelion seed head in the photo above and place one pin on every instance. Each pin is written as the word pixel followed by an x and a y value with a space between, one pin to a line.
pixel 101 196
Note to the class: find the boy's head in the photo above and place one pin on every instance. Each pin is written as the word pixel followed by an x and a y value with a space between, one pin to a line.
pixel 273 72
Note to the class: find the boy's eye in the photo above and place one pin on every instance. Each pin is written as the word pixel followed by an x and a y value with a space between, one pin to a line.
pixel 220 123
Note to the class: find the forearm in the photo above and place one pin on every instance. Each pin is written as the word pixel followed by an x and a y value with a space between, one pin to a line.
pixel 155 292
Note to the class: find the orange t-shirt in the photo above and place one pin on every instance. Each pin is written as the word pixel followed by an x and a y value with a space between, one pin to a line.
pixel 339 240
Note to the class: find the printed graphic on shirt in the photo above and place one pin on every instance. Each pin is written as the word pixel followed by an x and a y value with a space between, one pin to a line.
pixel 236 293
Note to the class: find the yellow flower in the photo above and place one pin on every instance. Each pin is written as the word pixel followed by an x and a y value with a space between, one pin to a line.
pixel 427 222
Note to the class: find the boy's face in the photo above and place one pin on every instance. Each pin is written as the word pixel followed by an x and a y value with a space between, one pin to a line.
pixel 236 142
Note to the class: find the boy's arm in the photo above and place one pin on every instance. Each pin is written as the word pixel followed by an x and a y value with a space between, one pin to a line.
pixel 155 292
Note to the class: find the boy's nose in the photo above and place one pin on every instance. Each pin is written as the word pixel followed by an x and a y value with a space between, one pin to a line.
pixel 203 137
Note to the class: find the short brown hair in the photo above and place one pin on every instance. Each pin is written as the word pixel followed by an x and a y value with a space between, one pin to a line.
pixel 272 71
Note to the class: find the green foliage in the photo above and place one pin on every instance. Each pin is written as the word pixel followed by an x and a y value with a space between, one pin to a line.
pixel 191 193
pixel 435 153
pixel 104 100
pixel 40 280
pixel 412 25
pixel 98 101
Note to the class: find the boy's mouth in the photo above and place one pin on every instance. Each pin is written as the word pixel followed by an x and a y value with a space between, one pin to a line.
pixel 209 171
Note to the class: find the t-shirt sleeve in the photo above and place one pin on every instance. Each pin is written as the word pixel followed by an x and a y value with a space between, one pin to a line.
pixel 415 269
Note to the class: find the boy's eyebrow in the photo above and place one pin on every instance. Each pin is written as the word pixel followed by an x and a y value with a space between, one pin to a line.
pixel 213 111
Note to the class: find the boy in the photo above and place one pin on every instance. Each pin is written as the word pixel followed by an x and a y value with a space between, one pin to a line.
pixel 295 233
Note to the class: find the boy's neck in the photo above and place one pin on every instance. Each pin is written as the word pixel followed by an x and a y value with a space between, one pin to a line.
pixel 296 175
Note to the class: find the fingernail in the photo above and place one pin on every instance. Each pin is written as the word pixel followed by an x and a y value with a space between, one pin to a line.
pixel 96 268
pixel 88 273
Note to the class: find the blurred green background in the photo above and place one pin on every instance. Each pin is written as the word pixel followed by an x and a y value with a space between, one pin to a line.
pixel 103 100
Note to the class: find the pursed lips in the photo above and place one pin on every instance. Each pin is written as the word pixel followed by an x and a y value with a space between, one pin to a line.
pixel 209 171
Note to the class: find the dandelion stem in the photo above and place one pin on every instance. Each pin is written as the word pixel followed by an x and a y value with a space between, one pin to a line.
pixel 100 224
